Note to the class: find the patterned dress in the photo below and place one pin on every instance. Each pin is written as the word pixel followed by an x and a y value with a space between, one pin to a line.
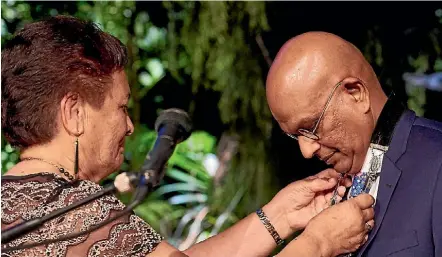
pixel 36 195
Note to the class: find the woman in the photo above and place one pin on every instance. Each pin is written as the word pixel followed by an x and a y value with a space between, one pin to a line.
pixel 64 105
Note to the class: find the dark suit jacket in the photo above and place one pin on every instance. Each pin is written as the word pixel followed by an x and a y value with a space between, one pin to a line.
pixel 409 201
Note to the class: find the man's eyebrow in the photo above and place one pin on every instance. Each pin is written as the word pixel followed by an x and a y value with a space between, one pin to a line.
pixel 305 123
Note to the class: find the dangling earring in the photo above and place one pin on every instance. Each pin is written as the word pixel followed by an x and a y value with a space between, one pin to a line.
pixel 76 158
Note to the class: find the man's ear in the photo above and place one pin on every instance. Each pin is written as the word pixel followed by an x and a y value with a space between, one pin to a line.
pixel 358 92
pixel 73 113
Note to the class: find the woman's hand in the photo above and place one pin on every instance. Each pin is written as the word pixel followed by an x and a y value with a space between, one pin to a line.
pixel 339 229
pixel 342 228
pixel 302 200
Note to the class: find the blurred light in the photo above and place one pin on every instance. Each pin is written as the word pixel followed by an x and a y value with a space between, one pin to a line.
pixel 145 79
pixel 13 157
pixel 53 12
pixel 110 25
pixel 127 13
pixel 429 81
pixel 5 156
pixel 155 68
pixel 9 165
pixel 4 28
pixel 113 10
pixel 10 14
pixel 158 99
pixel 8 148
pixel 211 163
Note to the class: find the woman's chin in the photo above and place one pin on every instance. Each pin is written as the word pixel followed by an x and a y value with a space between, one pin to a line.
pixel 121 151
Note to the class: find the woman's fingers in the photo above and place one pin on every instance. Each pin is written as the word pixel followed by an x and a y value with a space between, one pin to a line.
pixel 368 214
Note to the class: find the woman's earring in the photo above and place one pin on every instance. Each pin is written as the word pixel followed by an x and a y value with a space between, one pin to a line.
pixel 76 158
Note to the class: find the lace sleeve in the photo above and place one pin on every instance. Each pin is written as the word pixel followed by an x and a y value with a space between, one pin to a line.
pixel 128 236
pixel 27 199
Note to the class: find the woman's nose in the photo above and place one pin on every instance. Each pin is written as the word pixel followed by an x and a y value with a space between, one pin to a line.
pixel 130 127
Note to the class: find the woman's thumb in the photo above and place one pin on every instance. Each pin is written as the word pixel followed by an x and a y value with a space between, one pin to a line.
pixel 321 184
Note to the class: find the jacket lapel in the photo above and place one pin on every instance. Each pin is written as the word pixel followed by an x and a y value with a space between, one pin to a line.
pixel 388 180
pixel 390 173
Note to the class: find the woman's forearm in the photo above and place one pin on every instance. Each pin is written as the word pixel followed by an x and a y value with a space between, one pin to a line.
pixel 246 238
pixel 304 246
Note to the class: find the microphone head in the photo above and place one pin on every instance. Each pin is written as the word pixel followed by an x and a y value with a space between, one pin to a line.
pixel 177 117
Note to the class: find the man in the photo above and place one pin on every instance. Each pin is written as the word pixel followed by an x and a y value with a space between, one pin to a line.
pixel 324 94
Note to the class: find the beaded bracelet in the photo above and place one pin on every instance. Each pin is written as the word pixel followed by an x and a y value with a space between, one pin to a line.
pixel 269 227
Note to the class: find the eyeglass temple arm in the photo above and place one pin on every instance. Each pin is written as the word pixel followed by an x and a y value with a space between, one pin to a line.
pixel 326 106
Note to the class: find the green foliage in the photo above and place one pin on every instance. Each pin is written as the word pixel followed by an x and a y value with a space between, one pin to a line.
pixel 202 48
pixel 182 209
pixel 209 41
pixel 9 156
pixel 17 13
pixel 423 63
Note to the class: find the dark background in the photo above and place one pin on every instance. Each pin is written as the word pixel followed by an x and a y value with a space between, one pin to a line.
pixel 401 27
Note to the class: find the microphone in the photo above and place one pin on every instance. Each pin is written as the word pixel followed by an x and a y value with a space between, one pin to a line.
pixel 173 126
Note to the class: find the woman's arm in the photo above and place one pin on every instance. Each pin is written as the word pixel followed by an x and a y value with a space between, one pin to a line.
pixel 339 229
pixel 303 246
pixel 289 211
pixel 248 237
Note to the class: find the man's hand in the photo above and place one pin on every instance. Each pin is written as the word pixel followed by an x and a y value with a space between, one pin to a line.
pixel 302 200
pixel 342 228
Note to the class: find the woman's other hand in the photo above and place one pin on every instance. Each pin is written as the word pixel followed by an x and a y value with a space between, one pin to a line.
pixel 342 228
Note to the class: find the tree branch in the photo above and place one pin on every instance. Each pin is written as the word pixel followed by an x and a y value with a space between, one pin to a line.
pixel 264 51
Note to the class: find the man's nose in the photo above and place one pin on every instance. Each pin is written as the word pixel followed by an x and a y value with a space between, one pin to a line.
pixel 308 147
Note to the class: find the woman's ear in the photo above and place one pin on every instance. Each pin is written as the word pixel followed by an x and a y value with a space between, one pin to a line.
pixel 73 113
pixel 358 92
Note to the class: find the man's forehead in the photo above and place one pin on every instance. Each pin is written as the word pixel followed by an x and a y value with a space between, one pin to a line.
pixel 294 110
pixel 292 102
pixel 296 122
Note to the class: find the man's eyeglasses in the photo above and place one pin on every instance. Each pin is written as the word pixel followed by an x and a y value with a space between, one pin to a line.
pixel 311 134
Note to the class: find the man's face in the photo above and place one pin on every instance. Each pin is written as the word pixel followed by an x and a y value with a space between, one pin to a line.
pixel 344 133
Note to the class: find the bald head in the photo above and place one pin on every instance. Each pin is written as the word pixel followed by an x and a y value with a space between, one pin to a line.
pixel 301 79
pixel 309 65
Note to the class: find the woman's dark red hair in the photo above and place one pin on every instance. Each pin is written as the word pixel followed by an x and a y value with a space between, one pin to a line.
pixel 42 63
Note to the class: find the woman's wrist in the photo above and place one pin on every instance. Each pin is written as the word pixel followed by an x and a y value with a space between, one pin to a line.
pixel 304 246
pixel 278 219
pixel 317 246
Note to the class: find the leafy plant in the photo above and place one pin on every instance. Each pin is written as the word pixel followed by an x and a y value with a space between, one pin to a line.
pixel 199 46
pixel 181 208
pixel 9 156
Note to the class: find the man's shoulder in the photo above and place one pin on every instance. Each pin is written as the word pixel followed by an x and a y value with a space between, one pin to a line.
pixel 426 133
pixel 424 143
pixel 428 124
